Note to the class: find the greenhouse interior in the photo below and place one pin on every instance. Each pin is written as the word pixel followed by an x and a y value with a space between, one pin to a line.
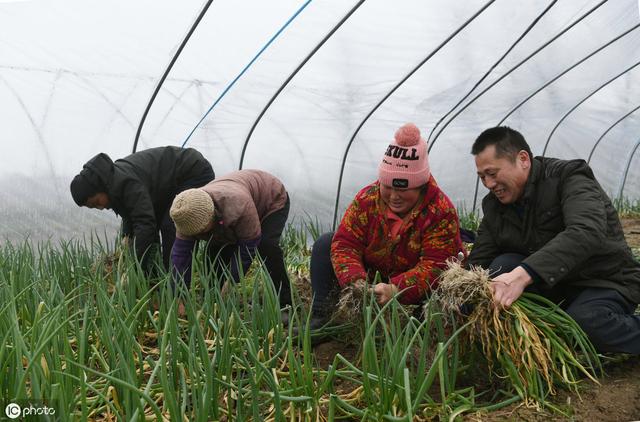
pixel 312 92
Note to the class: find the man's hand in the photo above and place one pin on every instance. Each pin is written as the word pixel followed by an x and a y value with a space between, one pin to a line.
pixel 508 287
pixel 384 292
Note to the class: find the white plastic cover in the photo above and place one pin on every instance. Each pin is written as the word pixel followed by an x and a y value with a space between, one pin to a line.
pixel 76 76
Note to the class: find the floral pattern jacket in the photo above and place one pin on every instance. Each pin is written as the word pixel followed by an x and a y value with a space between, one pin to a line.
pixel 413 259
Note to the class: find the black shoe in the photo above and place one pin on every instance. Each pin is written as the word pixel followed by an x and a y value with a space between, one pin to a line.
pixel 284 297
pixel 317 322
pixel 284 315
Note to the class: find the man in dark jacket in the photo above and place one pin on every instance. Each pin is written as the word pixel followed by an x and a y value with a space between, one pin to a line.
pixel 548 227
pixel 141 188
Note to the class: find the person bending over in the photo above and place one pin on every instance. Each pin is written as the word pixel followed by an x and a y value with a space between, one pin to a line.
pixel 140 189
pixel 239 215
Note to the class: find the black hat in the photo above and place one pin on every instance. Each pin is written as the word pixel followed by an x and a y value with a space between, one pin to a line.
pixel 82 189
pixel 91 179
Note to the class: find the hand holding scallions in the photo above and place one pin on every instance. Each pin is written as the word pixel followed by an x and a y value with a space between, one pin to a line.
pixel 508 287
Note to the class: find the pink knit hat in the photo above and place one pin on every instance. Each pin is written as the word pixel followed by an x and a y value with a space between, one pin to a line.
pixel 405 163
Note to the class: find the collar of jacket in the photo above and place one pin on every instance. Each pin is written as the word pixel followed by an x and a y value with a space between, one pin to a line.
pixel 532 182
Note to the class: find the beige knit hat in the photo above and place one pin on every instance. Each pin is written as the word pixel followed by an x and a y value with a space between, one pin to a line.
pixel 192 211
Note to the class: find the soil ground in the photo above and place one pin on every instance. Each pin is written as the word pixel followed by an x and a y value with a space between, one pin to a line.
pixel 617 398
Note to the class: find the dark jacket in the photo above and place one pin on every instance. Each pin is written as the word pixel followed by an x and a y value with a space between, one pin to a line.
pixel 141 187
pixel 568 230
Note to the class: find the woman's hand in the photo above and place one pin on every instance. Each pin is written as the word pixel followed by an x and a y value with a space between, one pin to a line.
pixel 384 292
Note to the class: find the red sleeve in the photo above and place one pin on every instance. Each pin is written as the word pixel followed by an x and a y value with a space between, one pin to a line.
pixel 349 242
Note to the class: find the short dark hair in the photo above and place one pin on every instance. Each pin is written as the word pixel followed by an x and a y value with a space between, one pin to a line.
pixel 508 142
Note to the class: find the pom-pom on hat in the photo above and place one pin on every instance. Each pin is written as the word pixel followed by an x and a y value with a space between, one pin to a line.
pixel 406 162
pixel 192 211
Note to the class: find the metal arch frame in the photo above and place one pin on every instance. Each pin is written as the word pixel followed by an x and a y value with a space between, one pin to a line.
pixel 626 169
pixel 245 69
pixel 493 66
pixel 535 52
pixel 191 83
pixel 167 71
pixel 545 85
pixel 568 113
pixel 607 131
pixel 47 107
pixel 35 126
pixel 118 110
pixel 402 81
pixel 176 100
pixel 292 75
pixel 567 70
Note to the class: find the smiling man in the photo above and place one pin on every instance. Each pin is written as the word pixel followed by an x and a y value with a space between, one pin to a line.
pixel 549 228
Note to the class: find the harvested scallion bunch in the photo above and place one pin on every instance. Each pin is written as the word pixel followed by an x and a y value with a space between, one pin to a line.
pixel 351 302
pixel 533 344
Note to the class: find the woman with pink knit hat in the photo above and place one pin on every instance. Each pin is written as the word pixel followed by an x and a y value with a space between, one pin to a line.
pixel 402 226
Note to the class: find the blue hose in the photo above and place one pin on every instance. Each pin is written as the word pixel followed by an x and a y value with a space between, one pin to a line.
pixel 291 19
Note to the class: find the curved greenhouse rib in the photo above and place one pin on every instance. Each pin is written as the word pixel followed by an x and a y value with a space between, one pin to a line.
pixel 475 197
pixel 47 107
pixel 244 70
pixel 176 100
pixel 292 75
pixel 402 81
pixel 117 109
pixel 536 51
pixel 624 72
pixel 475 194
pixel 36 129
pixel 626 170
pixel 167 70
pixel 608 130
pixel 567 70
pixel 558 76
pixel 520 38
